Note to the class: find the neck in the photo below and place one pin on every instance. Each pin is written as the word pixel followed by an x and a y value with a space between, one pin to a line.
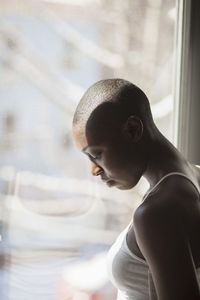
pixel 163 158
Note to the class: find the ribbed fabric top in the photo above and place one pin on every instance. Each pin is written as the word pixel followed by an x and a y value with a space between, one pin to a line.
pixel 129 273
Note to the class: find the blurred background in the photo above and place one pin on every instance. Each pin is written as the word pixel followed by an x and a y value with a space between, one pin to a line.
pixel 56 221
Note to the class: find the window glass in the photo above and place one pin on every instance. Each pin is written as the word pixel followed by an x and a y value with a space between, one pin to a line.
pixel 56 221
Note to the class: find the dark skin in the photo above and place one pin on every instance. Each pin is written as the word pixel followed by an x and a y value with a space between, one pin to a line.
pixel 165 227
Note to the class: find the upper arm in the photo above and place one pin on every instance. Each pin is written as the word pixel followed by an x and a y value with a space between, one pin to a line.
pixel 164 244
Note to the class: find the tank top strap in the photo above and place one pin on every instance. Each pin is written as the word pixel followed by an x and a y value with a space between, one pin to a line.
pixel 170 174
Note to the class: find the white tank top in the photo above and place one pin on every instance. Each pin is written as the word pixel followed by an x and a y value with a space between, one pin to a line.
pixel 129 273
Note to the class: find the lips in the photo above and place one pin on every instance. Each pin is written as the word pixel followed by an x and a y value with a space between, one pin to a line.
pixel 104 179
pixel 110 182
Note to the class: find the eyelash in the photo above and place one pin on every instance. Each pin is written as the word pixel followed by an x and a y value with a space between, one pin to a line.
pixel 95 157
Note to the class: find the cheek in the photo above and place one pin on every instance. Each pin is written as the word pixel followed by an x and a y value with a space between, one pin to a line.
pixel 109 163
pixel 115 163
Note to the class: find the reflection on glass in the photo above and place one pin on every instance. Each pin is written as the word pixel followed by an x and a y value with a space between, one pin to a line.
pixel 57 222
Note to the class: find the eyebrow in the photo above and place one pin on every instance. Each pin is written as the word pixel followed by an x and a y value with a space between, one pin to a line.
pixel 88 147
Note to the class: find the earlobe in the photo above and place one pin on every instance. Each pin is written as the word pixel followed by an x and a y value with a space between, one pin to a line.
pixel 134 128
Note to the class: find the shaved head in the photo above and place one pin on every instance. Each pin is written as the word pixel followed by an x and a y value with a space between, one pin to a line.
pixel 112 125
pixel 126 97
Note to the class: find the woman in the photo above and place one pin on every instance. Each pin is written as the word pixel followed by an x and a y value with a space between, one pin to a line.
pixel 158 255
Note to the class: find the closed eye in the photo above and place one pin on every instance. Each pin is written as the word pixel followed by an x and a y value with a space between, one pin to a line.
pixel 95 156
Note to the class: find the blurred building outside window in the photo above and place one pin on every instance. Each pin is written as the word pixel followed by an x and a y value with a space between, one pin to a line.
pixel 56 221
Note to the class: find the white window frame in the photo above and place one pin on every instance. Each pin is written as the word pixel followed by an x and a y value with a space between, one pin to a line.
pixel 187 80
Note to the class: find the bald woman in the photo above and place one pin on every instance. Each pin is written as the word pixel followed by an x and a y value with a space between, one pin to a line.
pixel 158 255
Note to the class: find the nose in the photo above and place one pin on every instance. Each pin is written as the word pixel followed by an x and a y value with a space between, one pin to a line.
pixel 95 169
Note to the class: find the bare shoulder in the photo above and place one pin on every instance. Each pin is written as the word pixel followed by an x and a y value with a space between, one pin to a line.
pixel 169 213
pixel 175 203
pixel 166 231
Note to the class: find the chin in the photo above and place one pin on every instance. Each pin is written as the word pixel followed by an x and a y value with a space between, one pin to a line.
pixel 123 186
pixel 126 185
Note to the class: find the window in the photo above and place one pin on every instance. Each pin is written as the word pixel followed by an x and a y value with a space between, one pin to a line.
pixel 58 222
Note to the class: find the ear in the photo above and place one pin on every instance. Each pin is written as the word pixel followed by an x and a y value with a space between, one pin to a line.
pixel 133 128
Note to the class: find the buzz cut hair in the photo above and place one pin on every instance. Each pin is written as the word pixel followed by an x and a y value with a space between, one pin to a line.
pixel 130 99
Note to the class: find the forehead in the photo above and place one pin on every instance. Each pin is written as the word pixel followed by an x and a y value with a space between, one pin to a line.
pixel 102 125
pixel 89 140
pixel 79 137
